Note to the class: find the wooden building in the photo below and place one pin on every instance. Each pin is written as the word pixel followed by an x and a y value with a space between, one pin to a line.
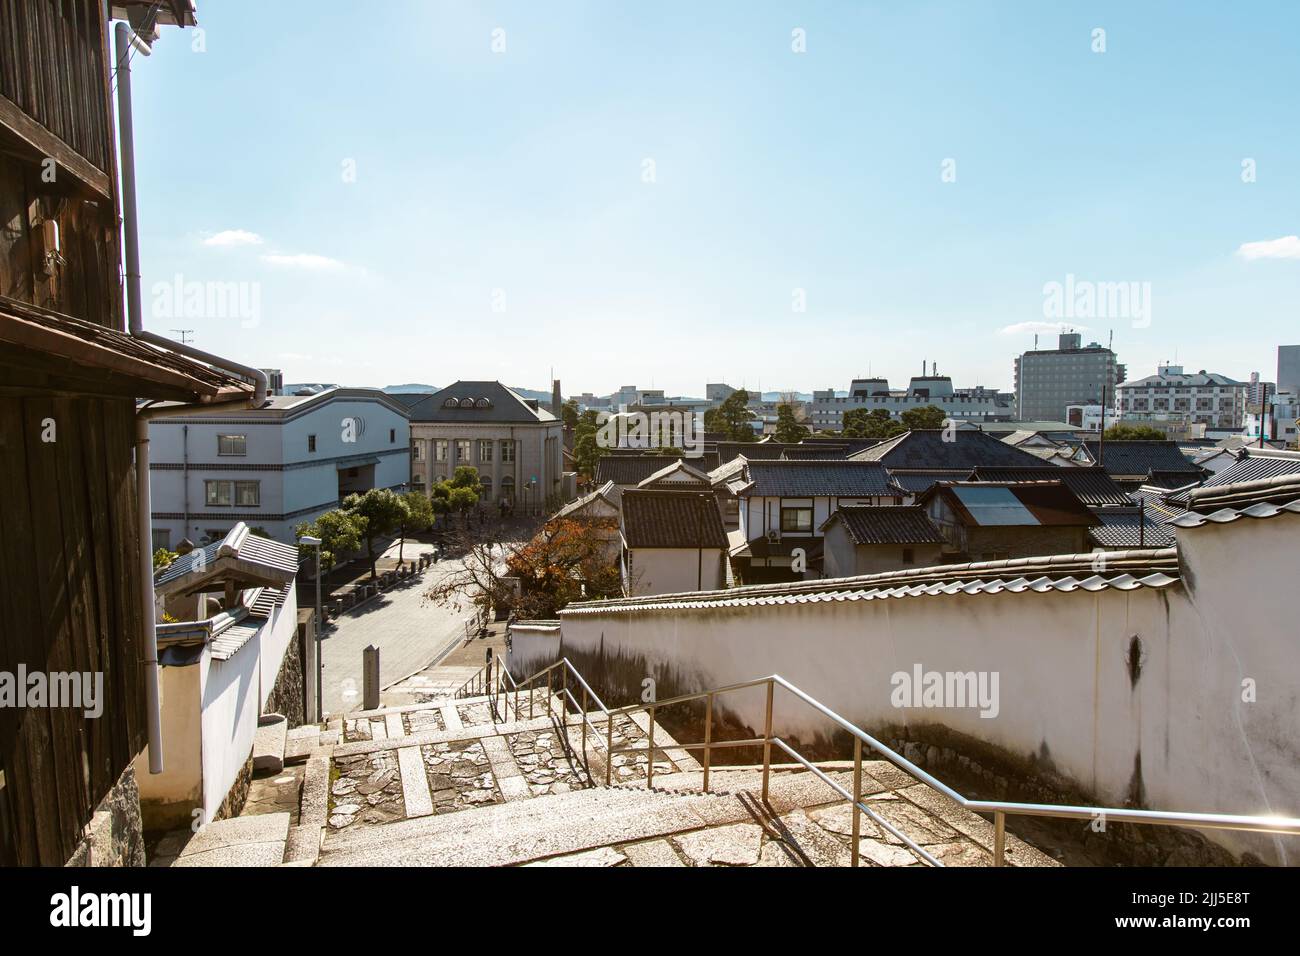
pixel 70 379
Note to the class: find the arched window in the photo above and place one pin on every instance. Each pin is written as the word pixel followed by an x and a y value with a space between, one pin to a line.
pixel 508 489
pixel 451 402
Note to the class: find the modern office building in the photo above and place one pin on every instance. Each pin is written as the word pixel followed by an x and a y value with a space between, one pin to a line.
pixel 515 444
pixel 273 467
pixel 1050 380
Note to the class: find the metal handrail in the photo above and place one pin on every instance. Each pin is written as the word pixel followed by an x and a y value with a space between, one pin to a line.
pixel 999 809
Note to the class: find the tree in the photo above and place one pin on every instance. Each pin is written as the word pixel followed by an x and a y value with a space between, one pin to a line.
pixel 419 517
pixel 162 558
pixel 465 476
pixel 380 512
pixel 731 419
pixel 874 423
pixel 339 532
pixel 586 449
pixel 569 412
pixel 565 560
pixel 926 417
pixel 788 428
pixel 1134 433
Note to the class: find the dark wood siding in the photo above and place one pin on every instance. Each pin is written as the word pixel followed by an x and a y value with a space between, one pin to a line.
pixel 69 561
pixel 85 284
pixel 52 67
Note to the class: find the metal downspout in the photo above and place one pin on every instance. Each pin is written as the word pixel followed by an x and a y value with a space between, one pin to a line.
pixel 125 40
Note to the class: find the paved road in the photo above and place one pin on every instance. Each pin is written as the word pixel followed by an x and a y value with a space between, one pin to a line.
pixel 410 632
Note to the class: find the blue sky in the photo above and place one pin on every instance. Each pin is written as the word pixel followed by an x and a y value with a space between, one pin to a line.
pixel 499 223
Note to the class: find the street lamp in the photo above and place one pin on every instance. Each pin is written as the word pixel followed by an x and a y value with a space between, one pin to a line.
pixel 320 666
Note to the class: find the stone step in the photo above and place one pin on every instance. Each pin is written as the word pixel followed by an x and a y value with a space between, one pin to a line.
pixel 257 840
pixel 269 743
pixel 515 832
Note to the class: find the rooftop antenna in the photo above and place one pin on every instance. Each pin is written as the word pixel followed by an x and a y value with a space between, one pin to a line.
pixel 1035 341
pixel 186 335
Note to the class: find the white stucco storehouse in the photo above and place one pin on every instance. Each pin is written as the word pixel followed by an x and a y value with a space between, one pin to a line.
pixel 273 467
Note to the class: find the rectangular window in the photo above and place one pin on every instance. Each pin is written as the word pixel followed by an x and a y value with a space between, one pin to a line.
pixel 463 449
pixel 219 494
pixel 440 450
pixel 507 450
pixel 232 445
pixel 392 436
pixel 311 443
pixel 797 520
pixel 417 452
pixel 248 494
pixel 485 450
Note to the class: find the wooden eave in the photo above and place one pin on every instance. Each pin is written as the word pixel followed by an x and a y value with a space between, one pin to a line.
pixel 80 358
pixel 27 138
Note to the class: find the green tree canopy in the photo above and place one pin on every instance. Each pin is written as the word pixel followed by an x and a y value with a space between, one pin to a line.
pixel 586 449
pixel 1134 433
pixel 340 533
pixel 788 428
pixel 381 511
pixel 731 419
pixel 928 416
pixel 873 423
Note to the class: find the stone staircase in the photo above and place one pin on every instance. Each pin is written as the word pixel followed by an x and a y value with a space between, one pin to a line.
pixel 443 782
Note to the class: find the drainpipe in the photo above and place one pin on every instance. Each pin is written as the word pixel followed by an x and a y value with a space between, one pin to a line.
pixel 126 40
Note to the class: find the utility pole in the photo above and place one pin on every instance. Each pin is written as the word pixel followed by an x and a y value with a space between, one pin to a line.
pixel 1101 437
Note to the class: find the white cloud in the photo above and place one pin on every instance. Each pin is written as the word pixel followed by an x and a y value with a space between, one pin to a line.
pixel 234 237
pixel 1288 247
pixel 1023 328
pixel 302 260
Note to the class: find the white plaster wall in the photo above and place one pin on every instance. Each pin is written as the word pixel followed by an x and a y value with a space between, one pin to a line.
pixel 230 711
pixel 669 570
pixel 1065 687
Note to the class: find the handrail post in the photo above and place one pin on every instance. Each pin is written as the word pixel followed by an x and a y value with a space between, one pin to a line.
pixel 532 695
pixel 650 753
pixel 564 702
pixel 767 738
pixel 548 693
pixel 999 838
pixel 609 748
pixel 584 727
pixel 708 737
pixel 857 796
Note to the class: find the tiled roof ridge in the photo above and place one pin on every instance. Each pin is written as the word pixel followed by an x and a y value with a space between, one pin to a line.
pixel 1149 561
